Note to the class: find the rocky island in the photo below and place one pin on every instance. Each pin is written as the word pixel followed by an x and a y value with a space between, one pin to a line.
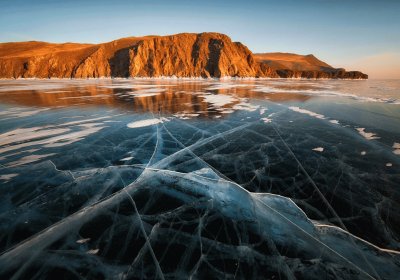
pixel 182 55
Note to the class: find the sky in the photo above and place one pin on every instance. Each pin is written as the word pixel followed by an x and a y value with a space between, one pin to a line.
pixel 355 34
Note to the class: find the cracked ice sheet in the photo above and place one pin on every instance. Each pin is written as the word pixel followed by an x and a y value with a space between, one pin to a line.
pixel 216 198
pixel 263 216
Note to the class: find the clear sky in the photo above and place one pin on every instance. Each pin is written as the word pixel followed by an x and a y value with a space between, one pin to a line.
pixel 355 34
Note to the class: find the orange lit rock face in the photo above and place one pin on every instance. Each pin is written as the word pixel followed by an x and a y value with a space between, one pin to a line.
pixel 181 55
pixel 189 55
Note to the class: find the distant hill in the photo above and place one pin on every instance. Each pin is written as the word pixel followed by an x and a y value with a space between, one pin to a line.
pixel 180 55
pixel 290 65
pixel 292 61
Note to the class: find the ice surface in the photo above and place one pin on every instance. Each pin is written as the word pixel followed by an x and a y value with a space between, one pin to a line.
pixel 216 180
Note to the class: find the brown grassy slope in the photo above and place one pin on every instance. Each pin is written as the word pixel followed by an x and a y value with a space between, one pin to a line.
pixel 292 61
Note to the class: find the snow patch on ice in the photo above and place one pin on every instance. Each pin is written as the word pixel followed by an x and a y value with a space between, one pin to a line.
pixel 126 159
pixel 367 135
pixel 244 106
pixel 93 251
pixel 228 111
pixel 186 116
pixel 48 136
pixel 82 241
pixel 266 120
pixel 28 159
pixel 21 112
pixel 7 177
pixel 396 147
pixel 218 86
pixel 218 100
pixel 83 121
pixel 263 110
pixel 307 112
pixel 143 123
pixel 146 92
pixel 28 134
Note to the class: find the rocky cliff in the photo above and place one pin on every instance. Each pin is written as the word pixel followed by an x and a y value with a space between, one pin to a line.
pixel 289 65
pixel 181 55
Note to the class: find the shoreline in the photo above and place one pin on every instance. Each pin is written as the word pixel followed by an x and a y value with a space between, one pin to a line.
pixel 174 78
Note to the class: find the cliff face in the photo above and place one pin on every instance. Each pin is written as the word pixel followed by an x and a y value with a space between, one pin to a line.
pixel 181 55
pixel 187 55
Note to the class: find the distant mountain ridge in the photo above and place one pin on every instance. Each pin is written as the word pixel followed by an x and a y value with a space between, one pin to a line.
pixel 181 55
pixel 292 61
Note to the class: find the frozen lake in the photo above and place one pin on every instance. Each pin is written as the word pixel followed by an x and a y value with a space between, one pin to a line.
pixel 210 179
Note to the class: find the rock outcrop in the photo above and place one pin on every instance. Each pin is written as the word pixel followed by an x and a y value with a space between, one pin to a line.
pixel 289 65
pixel 181 55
